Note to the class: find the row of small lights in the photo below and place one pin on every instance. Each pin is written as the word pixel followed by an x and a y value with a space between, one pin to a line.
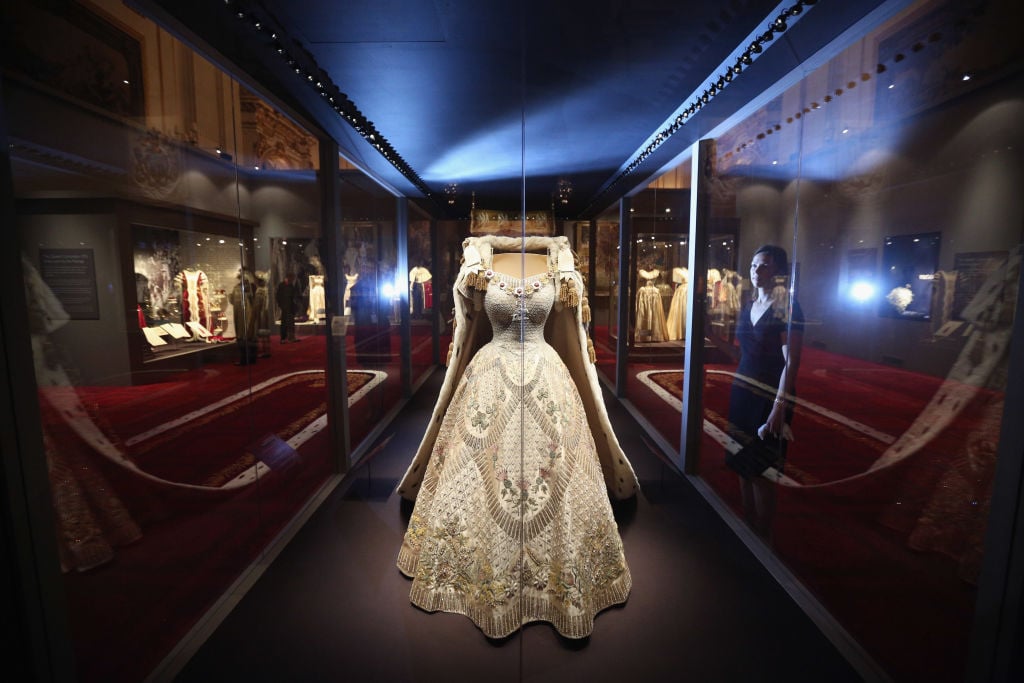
pixel 221 241
pixel 682 243
pixel 838 92
pixel 337 100
pixel 778 25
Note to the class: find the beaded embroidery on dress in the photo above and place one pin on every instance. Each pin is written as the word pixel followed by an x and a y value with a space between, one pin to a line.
pixel 512 521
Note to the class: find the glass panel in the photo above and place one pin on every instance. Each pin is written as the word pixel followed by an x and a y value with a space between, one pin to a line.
pixel 422 282
pixel 154 199
pixel 372 300
pixel 605 305
pixel 449 236
pixel 658 300
pixel 890 177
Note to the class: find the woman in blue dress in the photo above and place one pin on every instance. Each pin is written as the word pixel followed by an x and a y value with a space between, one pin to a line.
pixel 770 334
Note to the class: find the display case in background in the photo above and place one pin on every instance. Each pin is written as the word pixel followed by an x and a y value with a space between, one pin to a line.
pixel 604 304
pixel 157 214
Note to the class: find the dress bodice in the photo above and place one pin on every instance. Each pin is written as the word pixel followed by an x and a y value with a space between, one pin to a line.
pixel 761 342
pixel 518 308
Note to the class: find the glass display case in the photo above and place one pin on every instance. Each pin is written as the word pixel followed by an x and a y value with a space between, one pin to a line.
pixel 848 390
pixel 216 344
pixel 177 278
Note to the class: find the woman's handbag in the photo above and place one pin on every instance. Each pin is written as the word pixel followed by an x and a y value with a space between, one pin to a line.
pixel 758 455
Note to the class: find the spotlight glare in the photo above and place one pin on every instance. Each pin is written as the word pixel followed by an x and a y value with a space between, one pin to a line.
pixel 862 291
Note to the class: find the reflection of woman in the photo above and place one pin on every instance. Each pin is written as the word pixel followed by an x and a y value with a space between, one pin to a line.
pixel 769 332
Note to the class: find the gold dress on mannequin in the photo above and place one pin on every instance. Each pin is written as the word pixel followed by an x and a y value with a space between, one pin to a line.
pixel 512 521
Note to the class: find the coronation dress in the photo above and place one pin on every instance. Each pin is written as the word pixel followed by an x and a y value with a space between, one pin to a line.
pixel 676 323
pixel 650 312
pixel 512 521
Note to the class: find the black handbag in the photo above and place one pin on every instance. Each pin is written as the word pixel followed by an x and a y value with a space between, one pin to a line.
pixel 758 455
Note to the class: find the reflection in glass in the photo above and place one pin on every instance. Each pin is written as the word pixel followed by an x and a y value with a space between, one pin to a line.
pixel 604 306
pixel 769 333
pixel 909 265
pixel 155 232
pixel 373 296
pixel 880 503
pixel 660 293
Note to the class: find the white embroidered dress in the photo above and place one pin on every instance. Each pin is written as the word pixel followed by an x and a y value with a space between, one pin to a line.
pixel 512 522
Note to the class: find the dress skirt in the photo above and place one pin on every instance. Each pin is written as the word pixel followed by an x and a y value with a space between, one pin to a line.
pixel 512 523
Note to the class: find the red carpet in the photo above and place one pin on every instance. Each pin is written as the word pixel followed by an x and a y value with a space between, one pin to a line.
pixel 205 428
pixel 887 553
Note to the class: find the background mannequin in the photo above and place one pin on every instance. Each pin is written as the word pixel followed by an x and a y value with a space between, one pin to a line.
pixel 676 324
pixel 650 313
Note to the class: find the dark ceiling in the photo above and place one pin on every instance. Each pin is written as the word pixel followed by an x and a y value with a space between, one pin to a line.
pixel 506 99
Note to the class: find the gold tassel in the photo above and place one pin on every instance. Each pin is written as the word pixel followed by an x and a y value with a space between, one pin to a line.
pixel 590 351
pixel 586 312
pixel 481 282
pixel 568 295
pixel 475 280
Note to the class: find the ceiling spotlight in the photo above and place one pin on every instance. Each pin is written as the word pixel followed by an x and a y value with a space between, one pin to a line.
pixel 450 191
pixel 966 77
pixel 780 23
pixel 746 59
pixel 564 191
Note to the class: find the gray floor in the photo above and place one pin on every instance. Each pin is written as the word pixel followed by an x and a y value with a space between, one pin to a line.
pixel 333 607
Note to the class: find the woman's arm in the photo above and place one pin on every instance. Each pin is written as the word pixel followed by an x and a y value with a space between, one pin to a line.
pixel 792 342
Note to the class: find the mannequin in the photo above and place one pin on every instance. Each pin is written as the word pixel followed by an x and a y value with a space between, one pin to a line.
pixel 350 282
pixel 195 298
pixel 242 299
pixel 714 280
pixel 261 312
pixel 513 475
pixel 650 314
pixel 420 294
pixel 317 302
pixel 676 325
